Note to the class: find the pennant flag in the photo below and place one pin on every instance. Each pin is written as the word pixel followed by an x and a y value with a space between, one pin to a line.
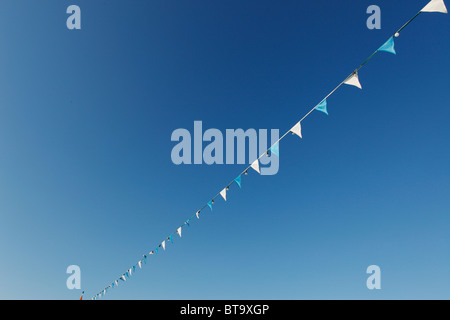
pixel 297 129
pixel 388 46
pixel 170 238
pixel 134 268
pixel 140 264
pixel 435 6
pixel 275 149
pixel 255 166
pixel 353 80
pixel 123 278
pixel 117 283
pixel 187 222
pixel 322 107
pixel 223 193
pixel 238 181
pixel 156 250
pixel 81 298
pixel 210 205
pixel 179 231
pixel 164 244
pixel 197 213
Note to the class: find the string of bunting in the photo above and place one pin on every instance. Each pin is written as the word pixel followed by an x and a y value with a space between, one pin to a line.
pixel 352 80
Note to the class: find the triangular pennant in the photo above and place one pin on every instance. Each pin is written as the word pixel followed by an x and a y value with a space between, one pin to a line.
pixel 156 250
pixel 179 231
pixel 170 238
pixel 223 193
pixel 238 181
pixel 255 165
pixel 322 107
pixel 353 80
pixel 197 213
pixel 140 264
pixel 435 6
pixel 210 204
pixel 388 46
pixel 187 222
pixel 275 149
pixel 297 129
pixel 163 244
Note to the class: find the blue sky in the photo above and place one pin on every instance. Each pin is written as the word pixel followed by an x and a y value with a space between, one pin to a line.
pixel 86 176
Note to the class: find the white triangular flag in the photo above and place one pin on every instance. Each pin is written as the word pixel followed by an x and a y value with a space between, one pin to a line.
pixel 255 166
pixel 116 282
pixel 197 213
pixel 353 80
pixel 297 129
pixel 140 264
pixel 164 244
pixel 435 6
pixel 223 193
pixel 179 231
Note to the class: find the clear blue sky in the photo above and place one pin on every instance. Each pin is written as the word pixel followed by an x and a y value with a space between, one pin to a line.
pixel 86 176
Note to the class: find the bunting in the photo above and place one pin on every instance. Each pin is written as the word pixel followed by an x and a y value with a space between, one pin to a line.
pixel 435 6
pixel 322 106
pixel 238 181
pixel 297 129
pixel 275 149
pixel 388 46
pixel 352 79
pixel 255 165
pixel 223 193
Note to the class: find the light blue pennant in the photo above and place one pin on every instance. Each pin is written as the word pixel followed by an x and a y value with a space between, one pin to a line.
pixel 274 149
pixel 322 107
pixel 238 181
pixel 388 46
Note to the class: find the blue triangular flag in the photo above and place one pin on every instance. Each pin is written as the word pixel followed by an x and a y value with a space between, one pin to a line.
pixel 170 238
pixel 274 149
pixel 187 222
pixel 322 107
pixel 210 205
pixel 156 250
pixel 134 268
pixel 388 46
pixel 238 181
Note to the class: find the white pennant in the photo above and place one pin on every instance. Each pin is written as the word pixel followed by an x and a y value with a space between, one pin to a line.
pixel 353 80
pixel 197 213
pixel 255 166
pixel 164 244
pixel 223 193
pixel 435 6
pixel 140 264
pixel 297 129
pixel 179 231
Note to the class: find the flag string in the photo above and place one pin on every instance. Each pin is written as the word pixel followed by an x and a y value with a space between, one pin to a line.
pixel 432 6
